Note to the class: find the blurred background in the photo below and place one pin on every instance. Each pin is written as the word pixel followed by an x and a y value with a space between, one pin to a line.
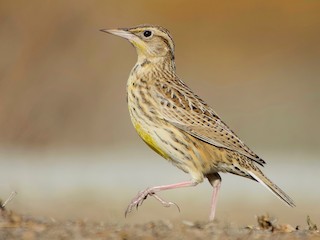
pixel 66 141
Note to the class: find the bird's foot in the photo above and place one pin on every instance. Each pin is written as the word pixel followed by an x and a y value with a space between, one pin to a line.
pixel 139 199
pixel 165 203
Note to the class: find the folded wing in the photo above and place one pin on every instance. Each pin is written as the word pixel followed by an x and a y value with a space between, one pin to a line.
pixel 186 111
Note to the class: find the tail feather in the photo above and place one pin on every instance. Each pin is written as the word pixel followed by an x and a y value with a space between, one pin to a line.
pixel 272 187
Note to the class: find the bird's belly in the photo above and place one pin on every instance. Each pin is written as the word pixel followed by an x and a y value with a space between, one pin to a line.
pixel 178 148
pixel 150 140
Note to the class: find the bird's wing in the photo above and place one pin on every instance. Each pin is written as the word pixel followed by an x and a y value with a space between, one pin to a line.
pixel 182 108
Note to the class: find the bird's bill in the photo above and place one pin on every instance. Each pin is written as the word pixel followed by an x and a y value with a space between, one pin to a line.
pixel 119 32
pixel 136 41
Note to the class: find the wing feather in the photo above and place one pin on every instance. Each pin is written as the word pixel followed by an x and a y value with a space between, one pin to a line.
pixel 186 111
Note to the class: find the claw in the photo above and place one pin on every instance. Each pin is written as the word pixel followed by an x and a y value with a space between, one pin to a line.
pixel 165 203
pixel 138 200
pixel 143 195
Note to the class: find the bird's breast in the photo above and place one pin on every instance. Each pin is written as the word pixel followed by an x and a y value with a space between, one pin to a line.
pixel 142 111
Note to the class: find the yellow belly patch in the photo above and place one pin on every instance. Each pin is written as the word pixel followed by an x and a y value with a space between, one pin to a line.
pixel 146 137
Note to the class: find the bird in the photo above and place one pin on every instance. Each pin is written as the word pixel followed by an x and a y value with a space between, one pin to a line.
pixel 178 125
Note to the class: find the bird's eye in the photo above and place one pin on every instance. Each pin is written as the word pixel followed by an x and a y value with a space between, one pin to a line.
pixel 147 33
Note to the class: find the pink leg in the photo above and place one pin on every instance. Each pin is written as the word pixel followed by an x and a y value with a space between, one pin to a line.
pixel 215 181
pixel 138 200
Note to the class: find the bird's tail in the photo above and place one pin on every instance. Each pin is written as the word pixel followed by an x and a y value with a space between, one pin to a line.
pixel 261 178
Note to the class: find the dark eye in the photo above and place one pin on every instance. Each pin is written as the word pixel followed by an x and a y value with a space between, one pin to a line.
pixel 147 33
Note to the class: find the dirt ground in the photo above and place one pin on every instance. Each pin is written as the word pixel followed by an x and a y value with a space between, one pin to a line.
pixel 16 226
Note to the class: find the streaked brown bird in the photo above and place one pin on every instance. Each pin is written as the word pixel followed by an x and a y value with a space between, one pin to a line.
pixel 179 125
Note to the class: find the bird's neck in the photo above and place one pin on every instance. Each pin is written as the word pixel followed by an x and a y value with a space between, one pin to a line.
pixel 164 63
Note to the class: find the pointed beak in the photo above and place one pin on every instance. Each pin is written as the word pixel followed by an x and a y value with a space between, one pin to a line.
pixel 134 39
pixel 119 32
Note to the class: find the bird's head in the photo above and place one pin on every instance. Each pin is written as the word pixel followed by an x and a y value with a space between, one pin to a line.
pixel 150 41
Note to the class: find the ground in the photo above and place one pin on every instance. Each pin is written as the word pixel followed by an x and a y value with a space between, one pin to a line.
pixel 16 226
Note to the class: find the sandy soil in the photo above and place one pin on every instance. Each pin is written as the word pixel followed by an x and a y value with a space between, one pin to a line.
pixel 16 226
